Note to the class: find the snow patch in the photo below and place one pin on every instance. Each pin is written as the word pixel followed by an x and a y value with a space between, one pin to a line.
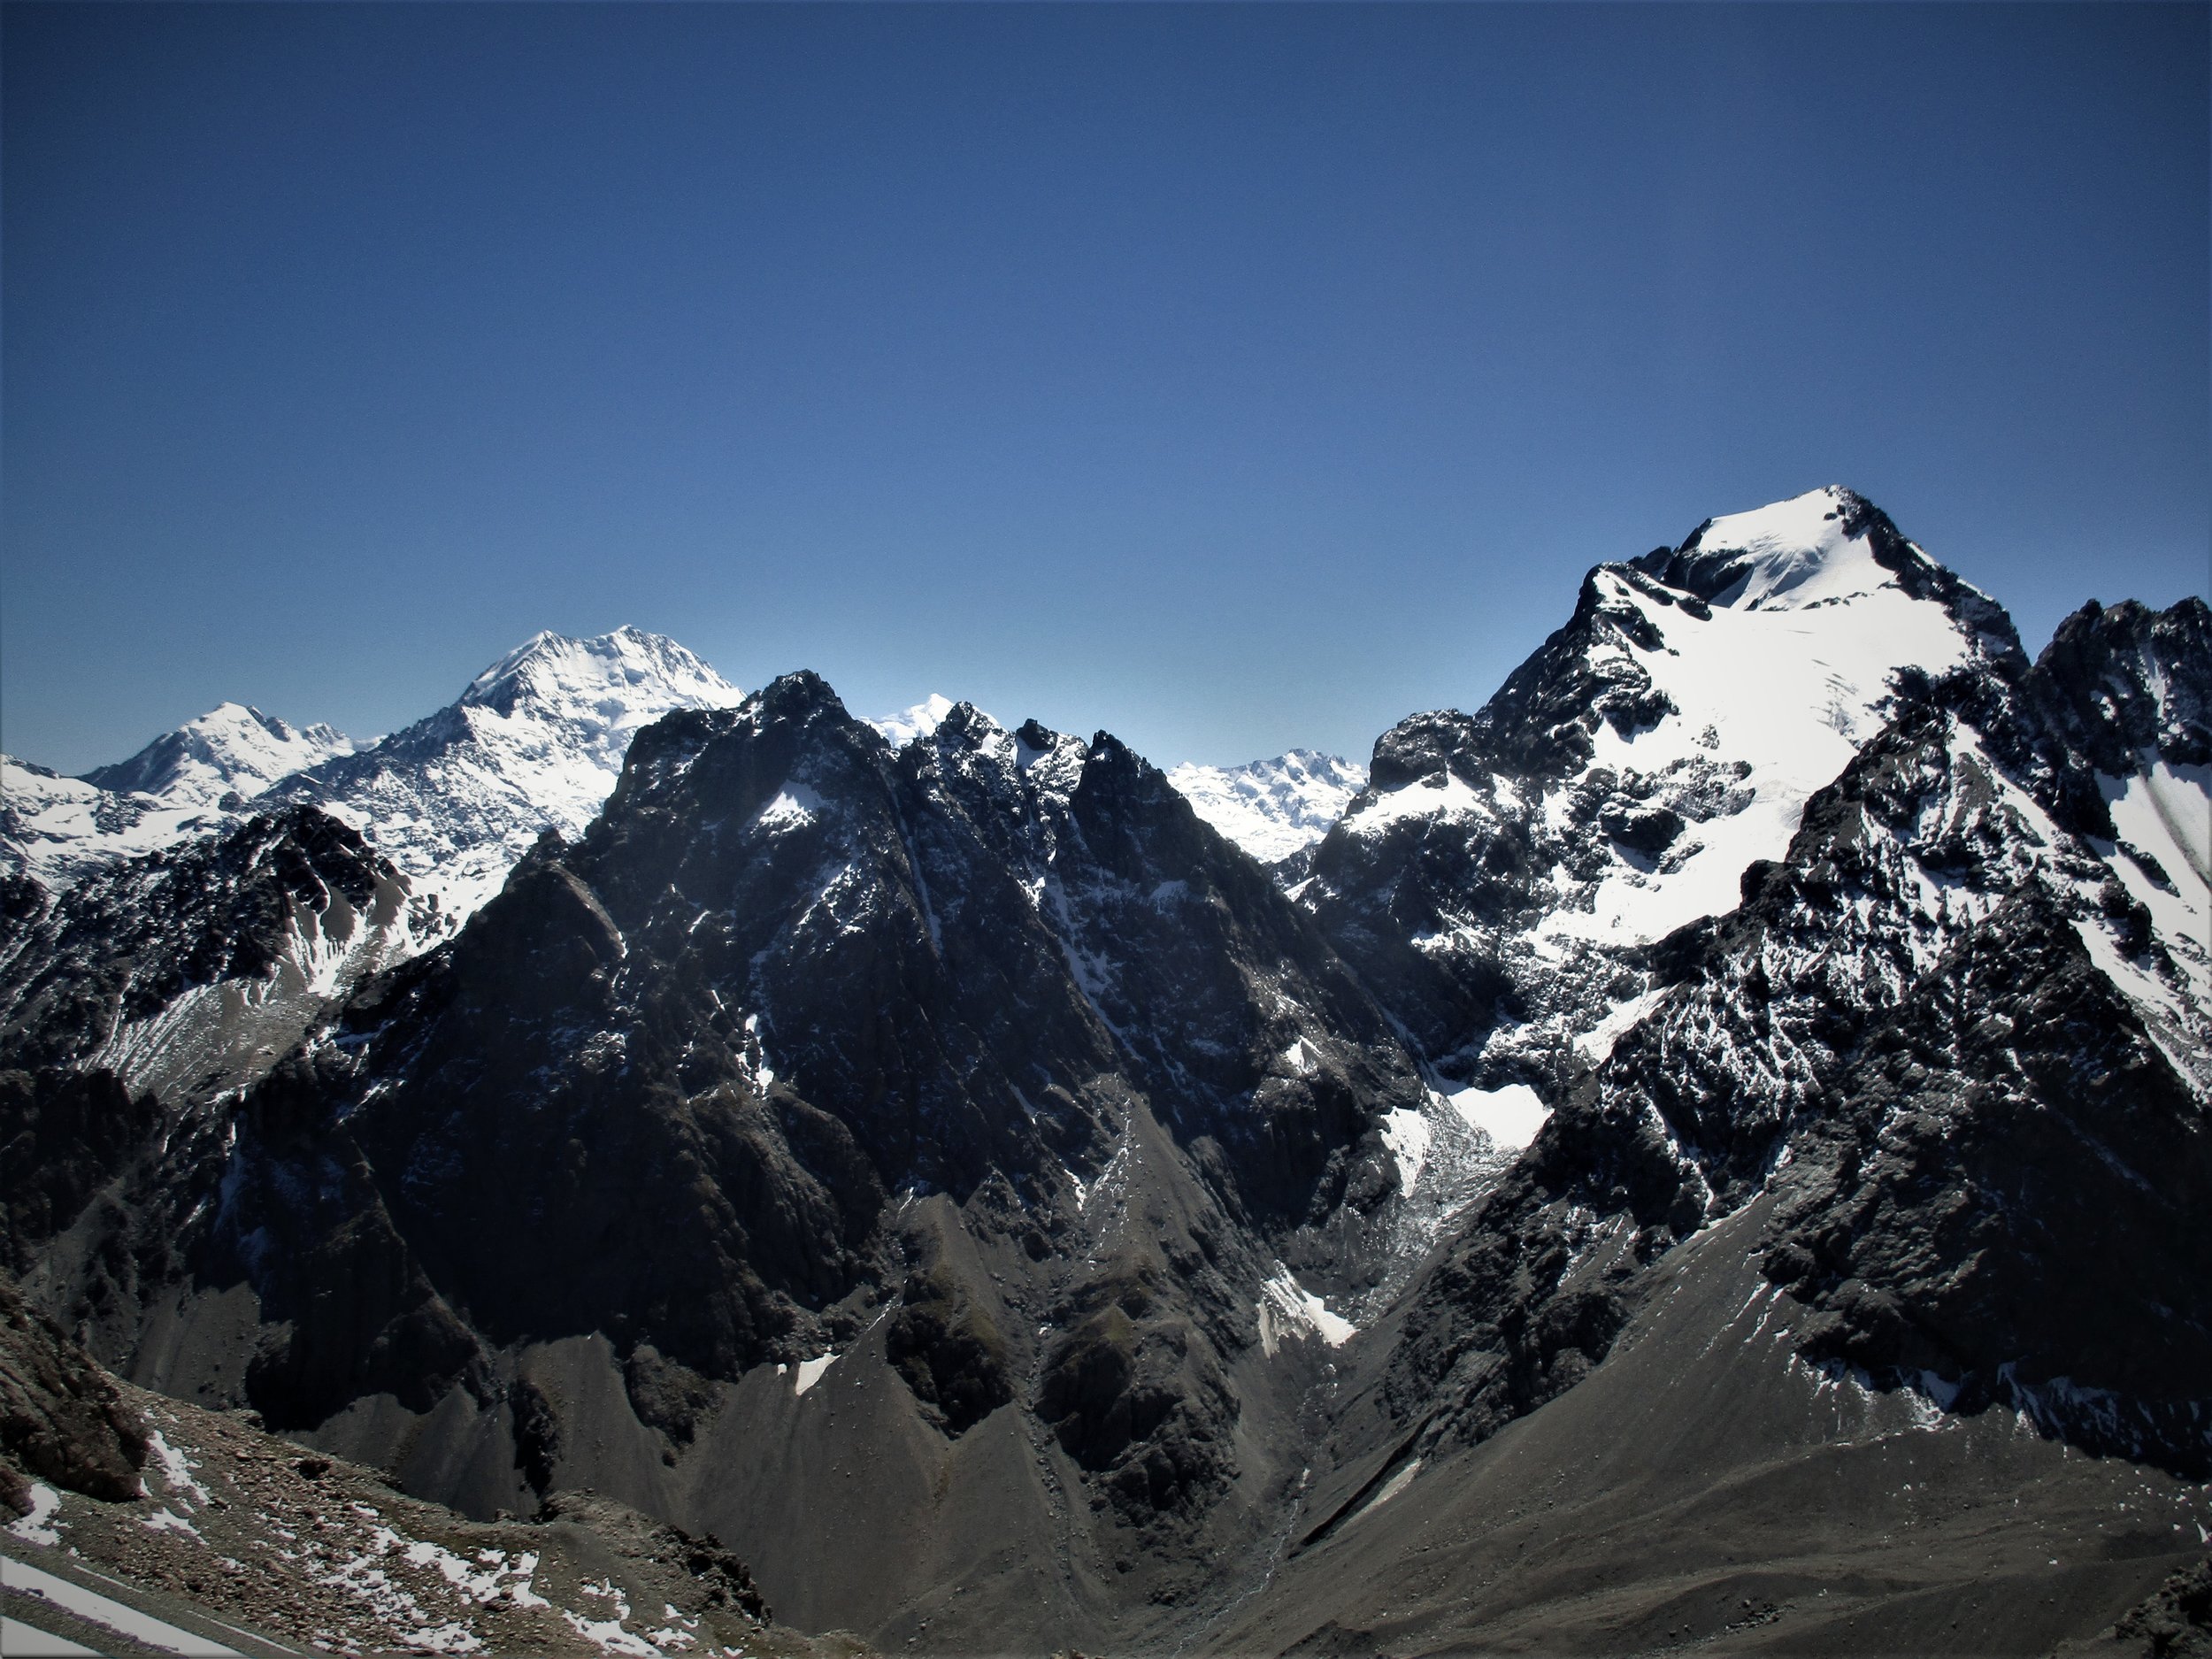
pixel 1438 795
pixel 175 1468
pixel 1289 1310
pixel 1509 1116
pixel 1392 1487
pixel 794 807
pixel 2165 813
pixel 166 1520
pixel 1596 1044
pixel 35 1528
pixel 104 1610
pixel 609 1636
pixel 1406 1132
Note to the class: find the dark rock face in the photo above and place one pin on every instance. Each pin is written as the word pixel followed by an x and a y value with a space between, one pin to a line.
pixel 2131 679
pixel 1376 893
pixel 128 943
pixel 2117 686
pixel 949 1352
pixel 668 1085
pixel 2178 1620
pixel 2009 1123
pixel 132 1001
pixel 665 1395
pixel 61 1416
pixel 63 1135
pixel 537 1434
pixel 1134 1391
pixel 1518 1312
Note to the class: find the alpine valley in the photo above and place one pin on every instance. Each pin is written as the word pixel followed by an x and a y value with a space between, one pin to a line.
pixel 1711 1150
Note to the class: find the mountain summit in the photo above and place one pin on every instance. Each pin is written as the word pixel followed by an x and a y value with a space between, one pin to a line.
pixel 230 750
pixel 534 742
pixel 1277 809
pixel 1502 872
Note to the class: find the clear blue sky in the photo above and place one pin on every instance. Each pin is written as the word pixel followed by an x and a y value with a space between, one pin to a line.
pixel 1230 378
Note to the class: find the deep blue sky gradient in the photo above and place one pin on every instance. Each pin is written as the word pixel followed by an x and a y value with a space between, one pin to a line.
pixel 1230 378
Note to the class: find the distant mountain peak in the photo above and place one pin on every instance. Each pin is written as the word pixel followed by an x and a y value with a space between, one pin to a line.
pixel 558 668
pixel 1626 775
pixel 920 720
pixel 535 742
pixel 233 750
pixel 1273 809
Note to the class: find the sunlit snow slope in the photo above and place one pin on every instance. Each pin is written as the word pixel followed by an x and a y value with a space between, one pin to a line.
pixel 55 830
pixel 1627 775
pixel 535 744
pixel 1784 674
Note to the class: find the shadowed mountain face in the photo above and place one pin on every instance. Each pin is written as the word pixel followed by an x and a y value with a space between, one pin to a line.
pixel 958 1147
pixel 790 977
pixel 757 1069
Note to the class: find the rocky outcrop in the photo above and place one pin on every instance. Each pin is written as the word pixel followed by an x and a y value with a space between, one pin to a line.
pixel 61 1418
pixel 192 969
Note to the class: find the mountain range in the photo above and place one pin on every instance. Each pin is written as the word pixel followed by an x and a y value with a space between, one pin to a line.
pixel 1710 1147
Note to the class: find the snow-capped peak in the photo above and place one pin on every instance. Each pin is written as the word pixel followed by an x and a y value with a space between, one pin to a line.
pixel 1273 808
pixel 1778 684
pixel 231 749
pixel 1624 779
pixel 55 829
pixel 923 719
pixel 606 672
pixel 535 742
pixel 1827 545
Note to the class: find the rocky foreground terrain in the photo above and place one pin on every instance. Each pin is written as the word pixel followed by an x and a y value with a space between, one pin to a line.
pixel 1707 1151
pixel 257 1543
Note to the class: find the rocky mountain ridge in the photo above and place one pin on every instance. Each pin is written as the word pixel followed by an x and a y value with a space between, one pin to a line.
pixel 1504 876
pixel 954 1106
pixel 533 742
